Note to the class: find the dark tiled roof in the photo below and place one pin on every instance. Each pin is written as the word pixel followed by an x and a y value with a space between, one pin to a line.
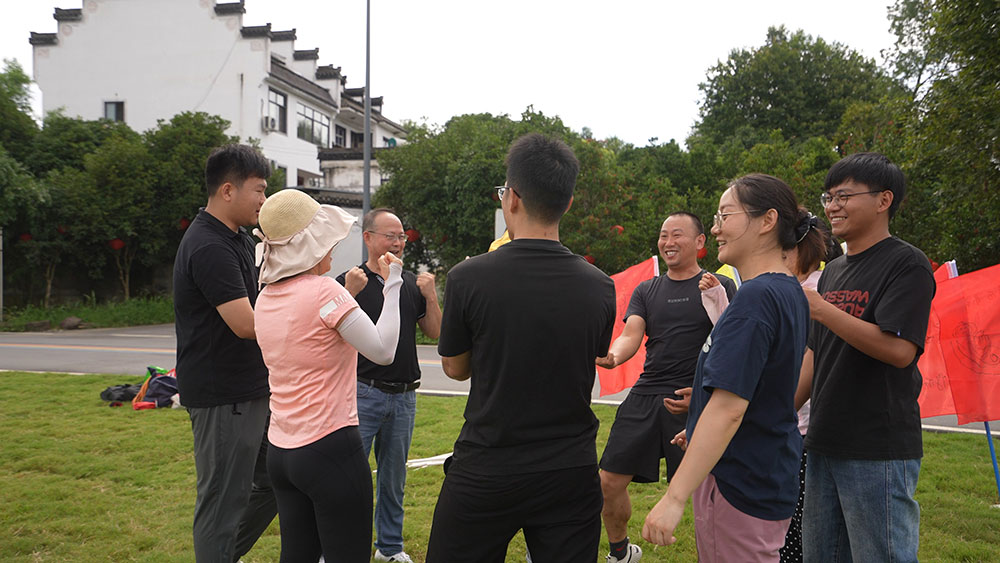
pixel 326 72
pixel 335 196
pixel 43 38
pixel 354 92
pixel 230 8
pixel 377 101
pixel 73 15
pixel 307 55
pixel 283 74
pixel 256 31
pixel 283 35
pixel 351 103
pixel 342 153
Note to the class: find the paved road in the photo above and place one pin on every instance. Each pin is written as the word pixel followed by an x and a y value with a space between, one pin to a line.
pixel 130 350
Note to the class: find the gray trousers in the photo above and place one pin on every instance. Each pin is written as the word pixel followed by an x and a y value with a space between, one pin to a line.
pixel 235 503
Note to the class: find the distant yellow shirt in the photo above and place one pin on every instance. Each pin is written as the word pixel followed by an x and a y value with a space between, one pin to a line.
pixel 500 241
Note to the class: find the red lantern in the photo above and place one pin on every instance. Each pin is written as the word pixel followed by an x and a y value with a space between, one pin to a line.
pixel 703 252
pixel 25 237
pixel 183 224
pixel 61 230
pixel 412 235
pixel 589 258
pixel 618 229
pixel 116 244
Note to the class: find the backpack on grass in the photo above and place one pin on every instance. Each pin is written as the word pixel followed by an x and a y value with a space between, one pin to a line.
pixel 121 393
pixel 157 391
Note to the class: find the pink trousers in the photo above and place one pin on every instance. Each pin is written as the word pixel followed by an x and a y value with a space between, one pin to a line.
pixel 725 534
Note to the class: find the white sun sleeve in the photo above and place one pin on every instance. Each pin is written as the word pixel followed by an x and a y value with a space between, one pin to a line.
pixel 377 341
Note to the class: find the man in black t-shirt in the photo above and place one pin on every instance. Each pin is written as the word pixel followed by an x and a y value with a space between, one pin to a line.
pixel 525 323
pixel 387 400
pixel 870 320
pixel 220 371
pixel 668 310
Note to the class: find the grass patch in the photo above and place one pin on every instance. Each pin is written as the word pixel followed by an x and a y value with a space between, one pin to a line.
pixel 83 482
pixel 424 339
pixel 135 311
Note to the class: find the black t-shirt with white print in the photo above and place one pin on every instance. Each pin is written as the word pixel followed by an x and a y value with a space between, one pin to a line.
pixel 676 326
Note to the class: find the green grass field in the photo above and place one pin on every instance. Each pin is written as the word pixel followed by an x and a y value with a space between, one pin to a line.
pixel 136 311
pixel 83 482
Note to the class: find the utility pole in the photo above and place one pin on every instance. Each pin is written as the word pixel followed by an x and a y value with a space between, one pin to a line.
pixel 367 202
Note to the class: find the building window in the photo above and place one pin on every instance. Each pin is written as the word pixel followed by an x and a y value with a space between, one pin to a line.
pixel 340 136
pixel 277 111
pixel 313 126
pixel 115 111
pixel 357 140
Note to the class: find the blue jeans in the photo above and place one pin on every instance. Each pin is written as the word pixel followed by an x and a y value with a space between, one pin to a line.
pixel 388 419
pixel 860 510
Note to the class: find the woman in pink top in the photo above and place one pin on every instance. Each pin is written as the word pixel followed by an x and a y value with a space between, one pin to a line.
pixel 310 331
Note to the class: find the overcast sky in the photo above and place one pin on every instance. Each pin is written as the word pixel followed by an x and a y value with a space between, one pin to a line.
pixel 624 68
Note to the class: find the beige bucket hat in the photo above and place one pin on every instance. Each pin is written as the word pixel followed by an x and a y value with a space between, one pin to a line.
pixel 296 232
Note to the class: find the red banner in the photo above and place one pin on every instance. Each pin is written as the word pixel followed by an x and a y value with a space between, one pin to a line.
pixel 961 360
pixel 624 376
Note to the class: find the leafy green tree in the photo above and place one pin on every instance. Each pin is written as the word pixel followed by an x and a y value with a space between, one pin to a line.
pixel 119 176
pixel 64 141
pixel 179 149
pixel 948 138
pixel 802 166
pixel 793 82
pixel 17 127
pixel 915 59
pixel 442 182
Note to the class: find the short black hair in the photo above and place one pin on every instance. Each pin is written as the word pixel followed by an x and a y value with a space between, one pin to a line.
pixel 542 170
pixel 872 169
pixel 368 221
pixel 234 164
pixel 694 219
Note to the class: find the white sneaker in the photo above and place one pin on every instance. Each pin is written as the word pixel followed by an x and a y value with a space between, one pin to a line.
pixel 633 554
pixel 400 557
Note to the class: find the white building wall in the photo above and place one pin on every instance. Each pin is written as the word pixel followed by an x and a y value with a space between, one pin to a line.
pixel 164 57
pixel 160 57
pixel 283 49
pixel 286 149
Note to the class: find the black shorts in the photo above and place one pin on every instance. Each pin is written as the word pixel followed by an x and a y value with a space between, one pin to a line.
pixel 476 516
pixel 640 437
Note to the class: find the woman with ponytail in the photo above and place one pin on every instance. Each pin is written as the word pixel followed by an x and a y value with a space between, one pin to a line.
pixel 742 440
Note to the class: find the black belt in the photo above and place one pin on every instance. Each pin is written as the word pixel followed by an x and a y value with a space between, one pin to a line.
pixel 389 386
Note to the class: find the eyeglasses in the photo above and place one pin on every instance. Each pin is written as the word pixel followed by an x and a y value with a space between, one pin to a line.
pixel 841 198
pixel 719 217
pixel 503 189
pixel 392 237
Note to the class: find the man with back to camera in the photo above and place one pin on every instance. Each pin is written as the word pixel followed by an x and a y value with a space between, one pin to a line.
pixel 387 399
pixel 668 309
pixel 220 372
pixel 525 323
pixel 870 318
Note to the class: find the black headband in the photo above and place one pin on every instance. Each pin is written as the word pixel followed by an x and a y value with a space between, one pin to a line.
pixel 808 222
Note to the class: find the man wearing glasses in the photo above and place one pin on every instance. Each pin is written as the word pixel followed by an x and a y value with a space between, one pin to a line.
pixel 524 323
pixel 668 310
pixel 869 323
pixel 387 400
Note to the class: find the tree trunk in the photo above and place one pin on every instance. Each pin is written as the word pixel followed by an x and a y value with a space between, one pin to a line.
pixel 50 274
pixel 123 263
